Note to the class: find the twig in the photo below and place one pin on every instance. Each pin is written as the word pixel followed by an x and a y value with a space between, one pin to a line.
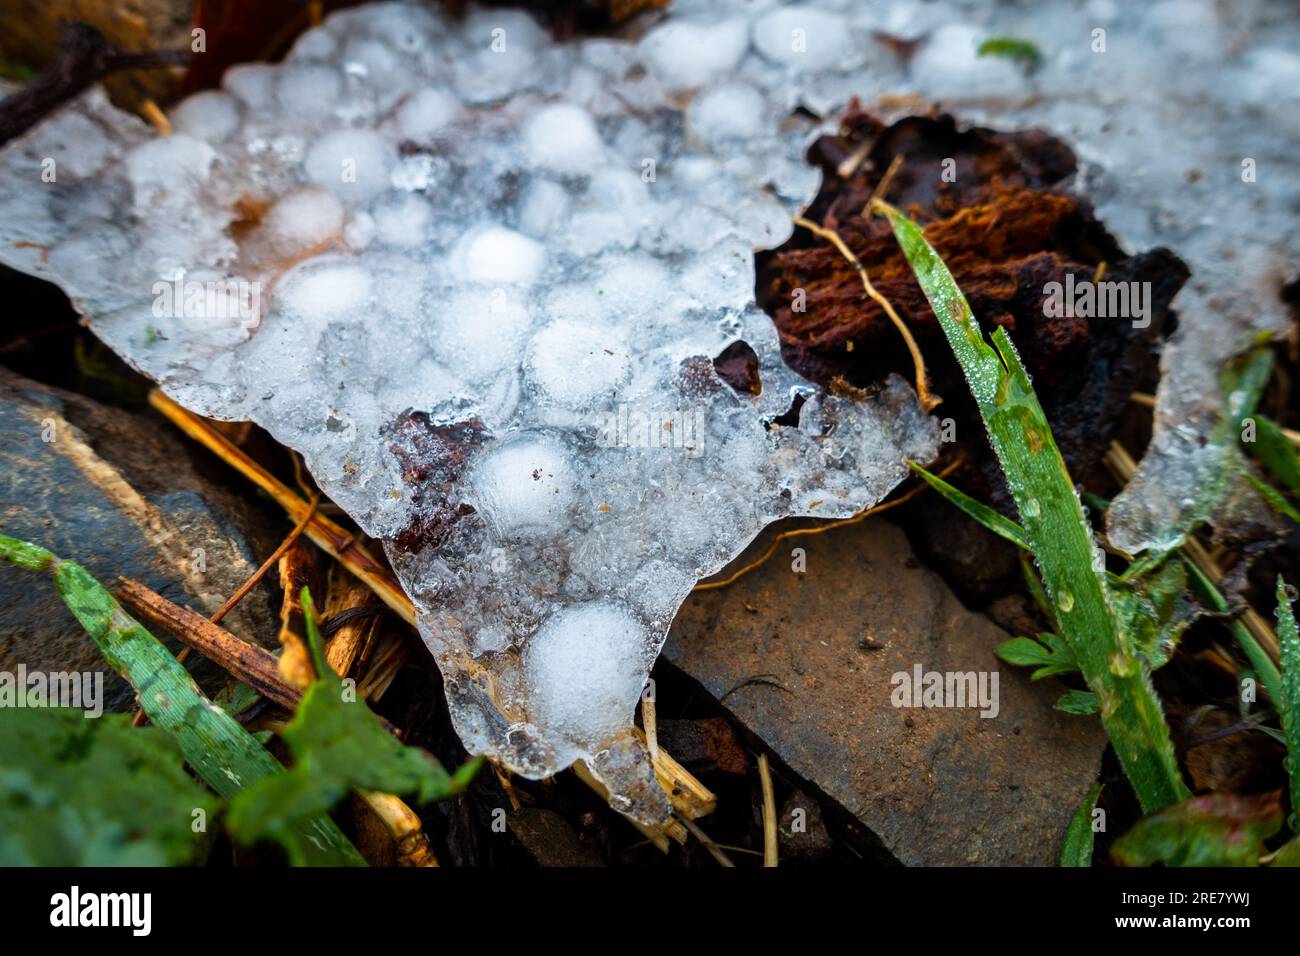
pixel 269 563
pixel 403 825
pixel 346 601
pixel 649 721
pixel 928 401
pixel 253 665
pixel 706 841
pixel 882 188
pixel 156 117
pixel 331 537
pixel 84 57
pixel 770 852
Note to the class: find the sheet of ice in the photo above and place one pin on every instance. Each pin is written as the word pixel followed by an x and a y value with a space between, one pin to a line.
pixel 478 279
pixel 538 248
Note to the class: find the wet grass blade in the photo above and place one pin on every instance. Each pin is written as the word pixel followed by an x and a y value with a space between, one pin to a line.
pixel 1056 528
pixel 220 751
pixel 1077 850
pixel 999 524
pixel 1288 700
pixel 1275 452
pixel 1269 676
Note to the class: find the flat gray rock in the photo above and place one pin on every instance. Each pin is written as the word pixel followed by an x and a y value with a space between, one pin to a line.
pixel 115 492
pixel 805 662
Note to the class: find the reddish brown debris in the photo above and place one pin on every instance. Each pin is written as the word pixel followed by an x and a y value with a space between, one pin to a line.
pixel 993 208
pixel 432 456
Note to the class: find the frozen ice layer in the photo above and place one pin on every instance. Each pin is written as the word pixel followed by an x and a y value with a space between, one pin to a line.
pixel 478 279
pixel 486 276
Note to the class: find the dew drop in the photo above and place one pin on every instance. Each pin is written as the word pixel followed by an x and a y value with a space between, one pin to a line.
pixel 1032 509
pixel 1065 602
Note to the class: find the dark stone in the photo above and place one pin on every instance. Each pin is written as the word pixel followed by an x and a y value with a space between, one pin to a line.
pixel 549 839
pixel 801 834
pixel 704 746
pixel 116 492
pixel 929 786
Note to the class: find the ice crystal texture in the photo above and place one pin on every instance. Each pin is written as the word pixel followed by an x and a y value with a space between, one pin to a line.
pixel 478 278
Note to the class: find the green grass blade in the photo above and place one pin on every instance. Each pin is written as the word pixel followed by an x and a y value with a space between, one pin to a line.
pixel 1077 849
pixel 219 750
pixel 1269 676
pixel 1055 526
pixel 997 523
pixel 1274 451
pixel 1288 701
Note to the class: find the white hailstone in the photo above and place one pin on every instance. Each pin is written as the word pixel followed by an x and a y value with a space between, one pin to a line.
pixel 425 113
pixel 686 55
pixel 585 669
pixel 252 83
pixel 404 221
pixel 543 206
pixel 352 163
pixel 326 288
pixel 949 64
pixel 523 485
pixel 562 138
pixel 210 115
pixel 803 36
pixel 303 219
pixel 731 112
pixel 481 332
pixel 497 254
pixel 575 364
pixel 359 231
pixel 312 89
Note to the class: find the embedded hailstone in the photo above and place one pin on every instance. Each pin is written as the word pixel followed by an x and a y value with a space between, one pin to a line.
pixel 503 265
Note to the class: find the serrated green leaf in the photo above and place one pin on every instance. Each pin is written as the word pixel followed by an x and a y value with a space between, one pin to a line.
pixel 338 745
pixel 1079 836
pixel 1218 829
pixel 1081 702
pixel 1023 652
pixel 95 792
pixel 1050 654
